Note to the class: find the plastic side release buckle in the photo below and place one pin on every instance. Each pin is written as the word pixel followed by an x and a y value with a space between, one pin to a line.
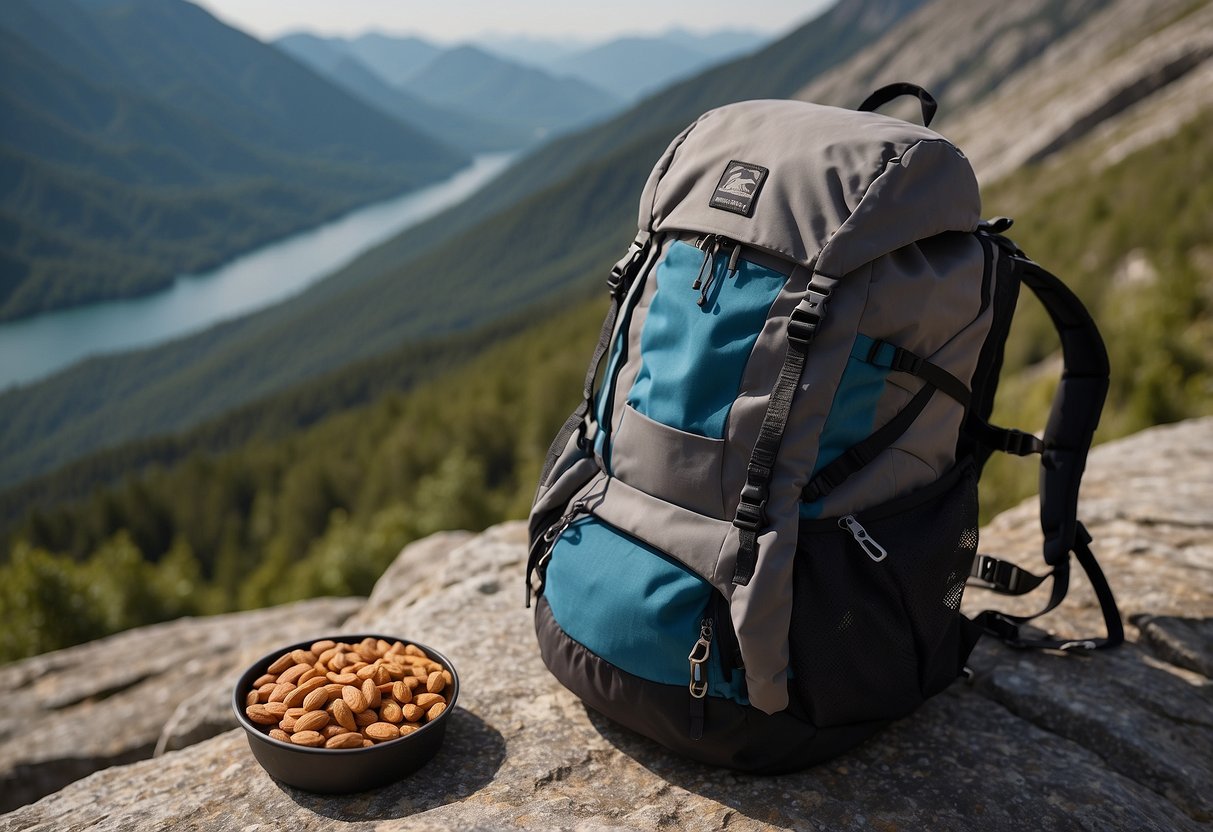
pixel 751 511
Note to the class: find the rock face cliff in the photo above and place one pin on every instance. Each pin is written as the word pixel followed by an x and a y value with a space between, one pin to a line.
pixel 1115 740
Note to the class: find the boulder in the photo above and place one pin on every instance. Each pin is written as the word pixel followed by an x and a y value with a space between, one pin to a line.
pixel 75 711
pixel 1119 739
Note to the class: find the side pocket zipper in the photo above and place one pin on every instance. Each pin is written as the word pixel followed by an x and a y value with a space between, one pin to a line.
pixel 541 549
pixel 870 547
pixel 698 686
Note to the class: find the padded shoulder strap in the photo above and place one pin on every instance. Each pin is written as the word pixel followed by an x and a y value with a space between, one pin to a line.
pixel 1076 408
pixel 1068 434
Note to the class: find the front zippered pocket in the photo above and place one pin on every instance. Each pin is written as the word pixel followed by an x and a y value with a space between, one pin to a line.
pixel 708 307
pixel 635 606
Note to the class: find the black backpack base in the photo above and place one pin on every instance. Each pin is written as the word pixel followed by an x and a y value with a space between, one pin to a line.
pixel 738 737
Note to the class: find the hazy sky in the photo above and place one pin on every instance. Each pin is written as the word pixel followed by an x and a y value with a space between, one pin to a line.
pixel 461 19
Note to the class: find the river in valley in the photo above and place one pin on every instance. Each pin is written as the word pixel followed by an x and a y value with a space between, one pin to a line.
pixel 34 348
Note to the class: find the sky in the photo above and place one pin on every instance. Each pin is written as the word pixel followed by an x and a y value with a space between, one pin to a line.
pixel 456 20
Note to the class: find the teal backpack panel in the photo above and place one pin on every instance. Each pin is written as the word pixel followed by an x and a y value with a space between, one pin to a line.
pixel 694 356
pixel 646 608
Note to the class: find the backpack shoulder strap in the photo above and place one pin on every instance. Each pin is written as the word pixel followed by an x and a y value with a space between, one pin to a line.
pixel 1067 438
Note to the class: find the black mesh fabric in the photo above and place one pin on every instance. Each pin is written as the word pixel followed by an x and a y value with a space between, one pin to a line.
pixel 871 640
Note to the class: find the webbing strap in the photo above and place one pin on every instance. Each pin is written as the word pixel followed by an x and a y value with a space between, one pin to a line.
pixel 618 283
pixel 803 325
pixel 1007 627
pixel 863 452
pixel 893 357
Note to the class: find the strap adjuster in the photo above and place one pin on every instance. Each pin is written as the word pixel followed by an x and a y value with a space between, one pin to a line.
pixel 1021 444
pixel 624 270
pixel 999 574
pixel 751 511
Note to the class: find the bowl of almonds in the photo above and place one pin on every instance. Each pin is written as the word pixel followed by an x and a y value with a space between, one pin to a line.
pixel 346 713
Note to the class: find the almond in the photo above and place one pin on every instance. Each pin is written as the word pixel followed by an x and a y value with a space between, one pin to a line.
pixel 280 735
pixel 366 672
pixel 396 648
pixel 412 713
pixel 343 678
pixel 296 697
pixel 381 731
pixel 343 715
pixel 371 693
pixel 311 721
pixel 280 691
pixel 414 650
pixel 320 646
pixel 339 660
pixel 366 718
pixel 421 672
pixel 277 709
pixel 402 693
pixel 292 674
pixel 302 656
pixel 381 675
pixel 295 713
pixel 344 740
pixel 315 700
pixel 391 712
pixel 426 700
pixel 265 679
pixel 395 671
pixel 354 698
pixel 259 715
pixel 310 673
pixel 323 657
pixel 312 739
pixel 280 664
pixel 287 724
pixel 334 689
pixel 407 729
pixel 413 682
pixel 447 677
pixel 365 742
pixel 333 730
pixel 435 711
pixel 434 683
pixel 253 698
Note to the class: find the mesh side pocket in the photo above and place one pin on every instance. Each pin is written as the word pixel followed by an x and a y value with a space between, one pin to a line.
pixel 872 639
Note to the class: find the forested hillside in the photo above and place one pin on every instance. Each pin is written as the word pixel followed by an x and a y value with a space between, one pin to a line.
pixel 140 139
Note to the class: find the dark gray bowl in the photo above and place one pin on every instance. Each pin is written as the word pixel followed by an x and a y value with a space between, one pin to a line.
pixel 339 771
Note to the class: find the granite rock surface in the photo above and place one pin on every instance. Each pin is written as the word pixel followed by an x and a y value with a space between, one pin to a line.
pixel 1119 739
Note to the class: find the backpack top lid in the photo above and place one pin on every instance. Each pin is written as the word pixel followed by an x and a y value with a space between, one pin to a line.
pixel 828 188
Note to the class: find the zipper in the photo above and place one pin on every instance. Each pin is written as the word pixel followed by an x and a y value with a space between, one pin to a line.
pixel 870 547
pixel 698 658
pixel 541 549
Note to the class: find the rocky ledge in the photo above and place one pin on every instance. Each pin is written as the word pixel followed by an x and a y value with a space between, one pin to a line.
pixel 1116 740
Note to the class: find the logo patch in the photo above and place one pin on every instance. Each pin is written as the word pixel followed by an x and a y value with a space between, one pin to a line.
pixel 738 187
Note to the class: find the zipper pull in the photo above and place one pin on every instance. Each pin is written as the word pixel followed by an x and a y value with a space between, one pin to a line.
pixel 699 657
pixel 538 557
pixel 873 549
pixel 733 258
pixel 699 675
pixel 709 245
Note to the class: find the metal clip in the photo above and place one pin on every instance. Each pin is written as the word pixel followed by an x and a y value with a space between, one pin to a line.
pixel 698 658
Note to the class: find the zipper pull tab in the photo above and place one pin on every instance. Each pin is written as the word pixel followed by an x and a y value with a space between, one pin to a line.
pixel 709 245
pixel 699 676
pixel 717 242
pixel 540 554
pixel 873 549
pixel 699 657
pixel 733 258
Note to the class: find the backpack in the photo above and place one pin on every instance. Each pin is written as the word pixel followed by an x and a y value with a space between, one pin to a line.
pixel 751 538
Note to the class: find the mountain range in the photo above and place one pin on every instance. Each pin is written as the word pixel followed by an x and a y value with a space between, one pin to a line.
pixel 142 138
pixel 1087 120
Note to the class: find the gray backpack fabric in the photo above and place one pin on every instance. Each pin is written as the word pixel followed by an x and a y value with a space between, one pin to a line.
pixel 751 540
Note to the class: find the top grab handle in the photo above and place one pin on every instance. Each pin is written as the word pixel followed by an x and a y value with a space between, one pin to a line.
pixel 886 94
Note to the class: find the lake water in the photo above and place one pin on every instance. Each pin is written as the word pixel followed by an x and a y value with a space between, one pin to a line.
pixel 34 348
